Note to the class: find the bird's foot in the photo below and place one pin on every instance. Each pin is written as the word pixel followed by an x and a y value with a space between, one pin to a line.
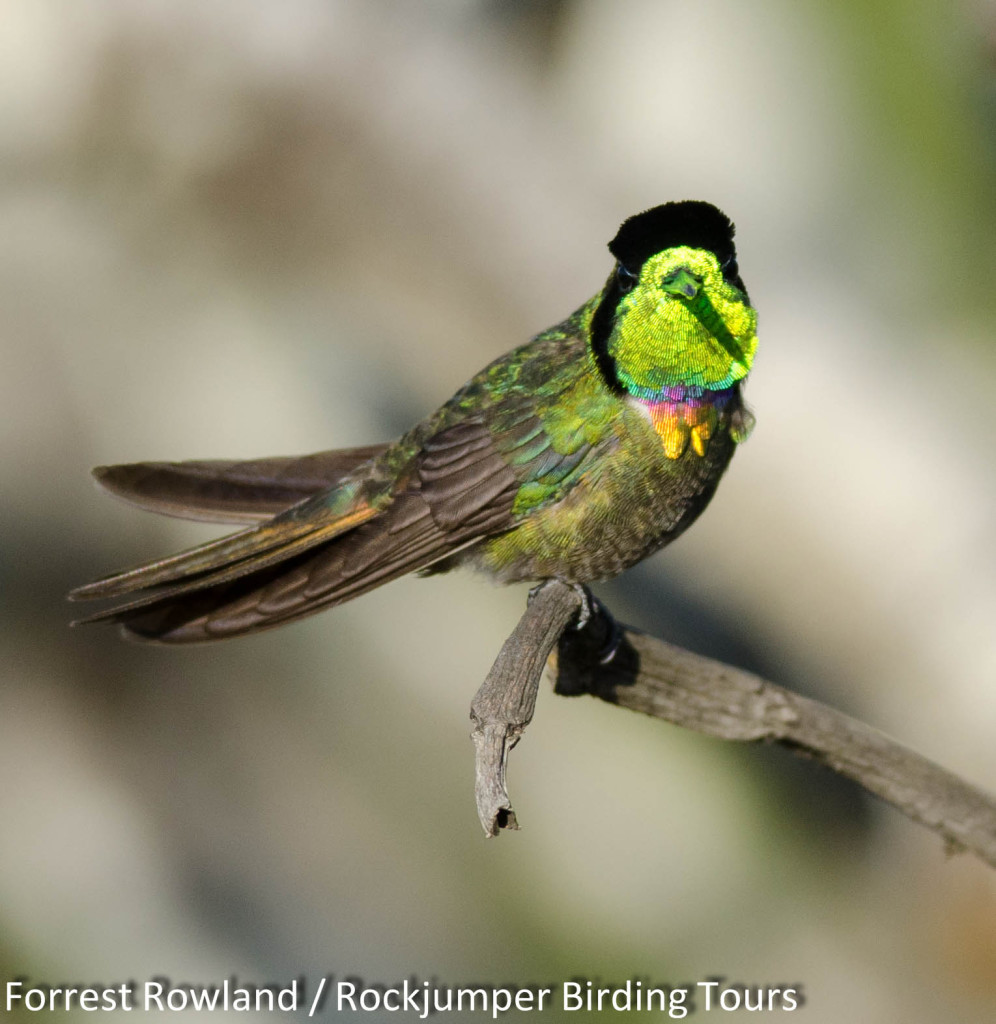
pixel 614 640
pixel 589 605
pixel 590 609
pixel 587 600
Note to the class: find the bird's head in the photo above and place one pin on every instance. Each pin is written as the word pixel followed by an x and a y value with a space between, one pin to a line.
pixel 675 311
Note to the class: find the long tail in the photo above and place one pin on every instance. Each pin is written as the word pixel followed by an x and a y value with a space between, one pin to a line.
pixel 231 491
pixel 244 555
pixel 359 533
pixel 283 583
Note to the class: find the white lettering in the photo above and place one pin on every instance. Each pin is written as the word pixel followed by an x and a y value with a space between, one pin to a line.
pixel 291 993
pixel 524 998
pixel 411 998
pixel 472 994
pixel 678 1010
pixel 503 997
pixel 708 986
pixel 153 994
pixel 627 997
pixel 13 994
pixel 176 999
pixel 344 996
pixel 205 999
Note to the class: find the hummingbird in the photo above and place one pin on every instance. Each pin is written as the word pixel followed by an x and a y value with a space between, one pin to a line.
pixel 571 457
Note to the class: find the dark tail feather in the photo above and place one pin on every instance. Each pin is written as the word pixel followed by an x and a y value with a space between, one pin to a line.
pixel 398 542
pixel 224 559
pixel 231 491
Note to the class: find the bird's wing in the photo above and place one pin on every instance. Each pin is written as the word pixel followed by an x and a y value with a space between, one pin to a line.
pixel 457 488
pixel 231 491
pixel 517 437
pixel 461 485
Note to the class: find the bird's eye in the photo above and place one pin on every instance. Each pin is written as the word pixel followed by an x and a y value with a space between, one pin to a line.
pixel 626 278
pixel 730 269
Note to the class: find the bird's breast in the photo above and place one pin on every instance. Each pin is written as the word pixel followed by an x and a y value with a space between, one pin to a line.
pixel 636 495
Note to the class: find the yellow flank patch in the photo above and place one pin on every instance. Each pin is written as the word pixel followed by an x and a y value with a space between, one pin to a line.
pixel 700 438
pixel 674 437
pixel 680 423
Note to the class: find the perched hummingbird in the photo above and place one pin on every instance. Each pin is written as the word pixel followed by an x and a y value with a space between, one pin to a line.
pixel 571 457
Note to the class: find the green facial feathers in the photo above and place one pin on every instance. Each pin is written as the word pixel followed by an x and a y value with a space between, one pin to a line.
pixel 676 312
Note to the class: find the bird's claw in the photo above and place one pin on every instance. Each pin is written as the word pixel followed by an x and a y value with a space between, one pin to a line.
pixel 589 608
pixel 613 643
pixel 588 605
pixel 587 600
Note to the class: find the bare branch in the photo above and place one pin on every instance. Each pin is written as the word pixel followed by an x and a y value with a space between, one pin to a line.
pixel 503 706
pixel 648 675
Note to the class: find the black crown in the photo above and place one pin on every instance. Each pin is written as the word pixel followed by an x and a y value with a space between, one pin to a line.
pixel 691 222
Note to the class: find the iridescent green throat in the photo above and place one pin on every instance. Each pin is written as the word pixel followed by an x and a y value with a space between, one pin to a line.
pixel 681 323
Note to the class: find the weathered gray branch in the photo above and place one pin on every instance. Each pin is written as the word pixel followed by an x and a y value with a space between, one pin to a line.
pixel 503 706
pixel 646 674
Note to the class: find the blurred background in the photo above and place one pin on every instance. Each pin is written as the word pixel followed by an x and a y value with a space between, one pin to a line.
pixel 249 228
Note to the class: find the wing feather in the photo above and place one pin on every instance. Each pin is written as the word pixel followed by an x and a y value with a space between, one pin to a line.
pixel 228 491
pixel 458 490
pixel 436 493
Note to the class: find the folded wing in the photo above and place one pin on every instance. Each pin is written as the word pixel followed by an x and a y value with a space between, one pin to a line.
pixel 323 551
